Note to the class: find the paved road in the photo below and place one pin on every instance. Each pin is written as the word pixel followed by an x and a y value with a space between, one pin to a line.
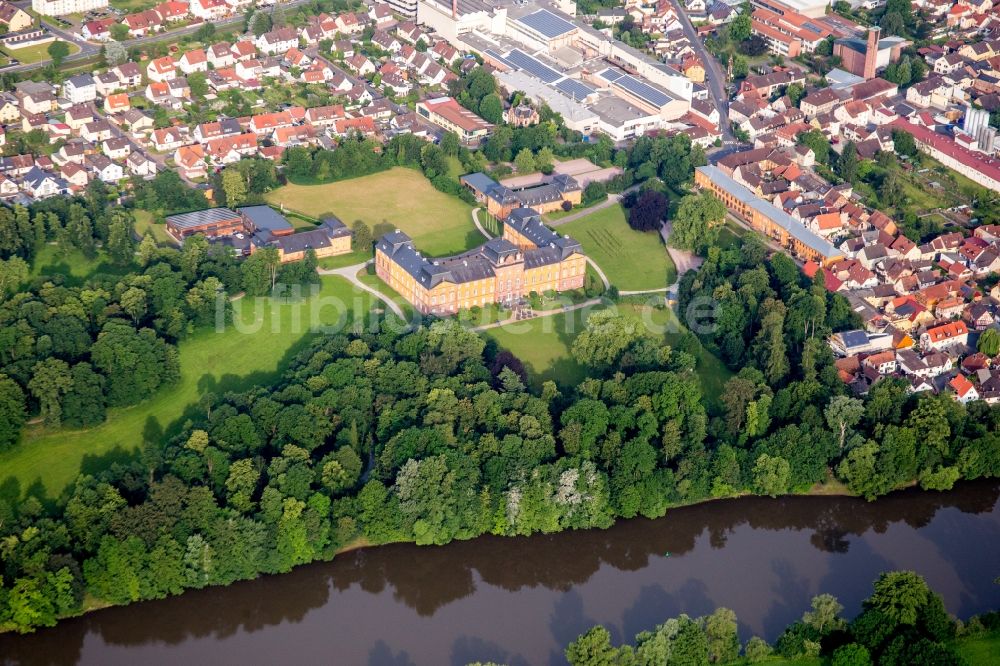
pixel 350 273
pixel 715 78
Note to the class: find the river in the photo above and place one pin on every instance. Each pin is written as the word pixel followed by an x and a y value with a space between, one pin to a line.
pixel 519 601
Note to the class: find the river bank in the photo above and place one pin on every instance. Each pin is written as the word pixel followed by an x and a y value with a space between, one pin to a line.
pixel 520 600
pixel 829 488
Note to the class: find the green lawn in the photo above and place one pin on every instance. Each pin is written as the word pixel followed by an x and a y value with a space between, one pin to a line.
pixel 980 651
pixel 233 359
pixel 144 225
pixel 544 345
pixel 399 198
pixel 37 53
pixel 381 287
pixel 349 259
pixel 74 266
pixel 632 260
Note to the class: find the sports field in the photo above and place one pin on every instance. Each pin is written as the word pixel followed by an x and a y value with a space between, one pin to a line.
pixel 632 260
pixel 399 198
pixel 268 334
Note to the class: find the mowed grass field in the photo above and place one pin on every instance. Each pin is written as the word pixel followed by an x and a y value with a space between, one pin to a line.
pixel 399 198
pixel 632 260
pixel 544 344
pixel 269 333
pixel 37 53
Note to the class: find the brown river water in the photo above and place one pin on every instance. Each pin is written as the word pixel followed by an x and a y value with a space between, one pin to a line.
pixel 519 601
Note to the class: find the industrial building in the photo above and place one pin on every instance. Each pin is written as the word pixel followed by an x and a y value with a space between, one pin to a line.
pixel 597 83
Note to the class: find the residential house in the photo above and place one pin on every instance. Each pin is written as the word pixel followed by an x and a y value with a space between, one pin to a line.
pixel 946 336
pixel 80 89
pixel 161 70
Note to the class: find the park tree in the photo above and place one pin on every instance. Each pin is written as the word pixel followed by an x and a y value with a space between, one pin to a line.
pixel 648 212
pixel 524 161
pixel 121 243
pixel 899 597
pixel 491 108
pixel 13 272
pixel 843 413
pixel 12 412
pixel 362 238
pixel 50 381
pixel 771 475
pixel 825 614
pixel 695 226
pixel 723 641
pixel 260 271
pixel 795 93
pixel 989 342
pixel 58 50
pixel 757 650
pixel 851 654
pixel 607 336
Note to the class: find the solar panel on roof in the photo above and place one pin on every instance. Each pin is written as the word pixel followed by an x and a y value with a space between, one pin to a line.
pixel 644 91
pixel 495 55
pixel 547 23
pixel 574 88
pixel 533 66
pixel 611 75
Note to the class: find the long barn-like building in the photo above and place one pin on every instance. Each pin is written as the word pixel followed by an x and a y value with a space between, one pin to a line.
pixel 529 257
pixel 765 217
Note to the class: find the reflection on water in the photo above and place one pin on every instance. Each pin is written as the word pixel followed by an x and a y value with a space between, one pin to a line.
pixel 519 600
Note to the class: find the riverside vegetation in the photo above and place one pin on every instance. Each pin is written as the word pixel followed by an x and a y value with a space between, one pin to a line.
pixel 902 623
pixel 428 436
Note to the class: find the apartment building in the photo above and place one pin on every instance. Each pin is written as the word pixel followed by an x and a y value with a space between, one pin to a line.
pixel 63 7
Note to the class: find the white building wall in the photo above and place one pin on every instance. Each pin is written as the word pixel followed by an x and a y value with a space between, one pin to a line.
pixel 62 7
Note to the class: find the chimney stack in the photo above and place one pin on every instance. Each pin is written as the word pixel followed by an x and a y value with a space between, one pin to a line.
pixel 871 53
pixel 454 9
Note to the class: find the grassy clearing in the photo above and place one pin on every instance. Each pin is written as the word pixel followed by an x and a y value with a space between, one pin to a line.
pixel 144 224
pixel 74 266
pixel 254 352
pixel 37 53
pixel 399 198
pixel 544 345
pixel 342 260
pixel 632 260
pixel 980 651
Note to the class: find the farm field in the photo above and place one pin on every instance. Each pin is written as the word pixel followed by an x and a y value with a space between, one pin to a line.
pixel 632 260
pixel 252 352
pixel 399 198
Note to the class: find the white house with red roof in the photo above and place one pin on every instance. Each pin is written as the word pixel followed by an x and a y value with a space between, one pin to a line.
pixel 162 69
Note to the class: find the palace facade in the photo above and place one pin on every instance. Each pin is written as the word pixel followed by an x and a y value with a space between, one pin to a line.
pixel 529 257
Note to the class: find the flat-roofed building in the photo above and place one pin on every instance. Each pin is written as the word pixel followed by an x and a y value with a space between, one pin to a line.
pixel 211 223
pixel 265 219
pixel 765 217
pixel 62 7
pixel 447 113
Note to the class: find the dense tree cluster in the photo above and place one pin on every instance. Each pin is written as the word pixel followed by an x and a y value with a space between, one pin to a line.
pixel 787 417
pixel 431 436
pixel 903 622
pixel 69 351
